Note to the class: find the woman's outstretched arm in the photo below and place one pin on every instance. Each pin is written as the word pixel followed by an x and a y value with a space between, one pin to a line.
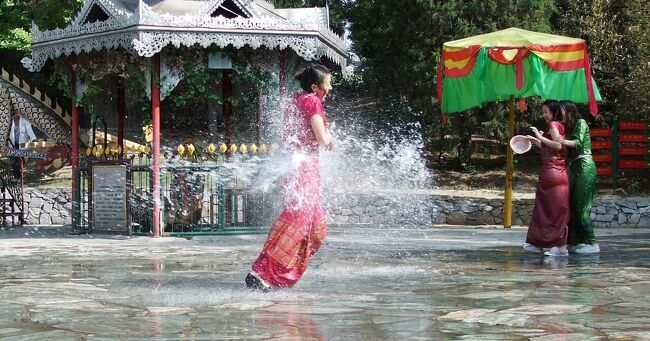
pixel 323 137
pixel 549 142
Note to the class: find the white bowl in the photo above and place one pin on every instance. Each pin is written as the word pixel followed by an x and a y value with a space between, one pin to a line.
pixel 520 144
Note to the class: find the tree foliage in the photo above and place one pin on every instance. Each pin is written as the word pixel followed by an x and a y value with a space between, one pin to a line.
pixel 400 44
pixel 16 17
pixel 617 35
pixel 401 41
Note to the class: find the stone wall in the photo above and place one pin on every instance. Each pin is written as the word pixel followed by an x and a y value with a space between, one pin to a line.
pixel 423 208
pixel 48 206
pixel 438 207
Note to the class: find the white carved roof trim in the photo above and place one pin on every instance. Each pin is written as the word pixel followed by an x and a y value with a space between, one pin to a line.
pixel 117 8
pixel 110 8
pixel 309 47
pixel 147 41
pixel 69 46
pixel 215 4
pixel 271 32
pixel 57 34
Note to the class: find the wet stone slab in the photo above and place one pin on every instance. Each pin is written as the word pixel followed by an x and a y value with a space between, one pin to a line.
pixel 364 284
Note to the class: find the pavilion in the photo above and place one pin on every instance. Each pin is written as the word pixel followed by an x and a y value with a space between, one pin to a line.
pixel 144 28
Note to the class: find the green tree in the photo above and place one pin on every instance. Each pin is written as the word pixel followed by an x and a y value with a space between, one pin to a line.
pixel 16 17
pixel 617 38
pixel 400 44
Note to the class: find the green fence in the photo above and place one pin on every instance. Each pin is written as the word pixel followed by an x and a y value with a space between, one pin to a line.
pixel 206 199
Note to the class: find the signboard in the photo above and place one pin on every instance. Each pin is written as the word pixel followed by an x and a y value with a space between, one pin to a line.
pixel 109 196
pixel 24 153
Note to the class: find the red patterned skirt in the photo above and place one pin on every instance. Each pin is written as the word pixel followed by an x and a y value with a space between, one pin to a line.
pixel 298 232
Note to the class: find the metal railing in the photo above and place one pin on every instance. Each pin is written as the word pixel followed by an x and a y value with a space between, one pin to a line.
pixel 196 199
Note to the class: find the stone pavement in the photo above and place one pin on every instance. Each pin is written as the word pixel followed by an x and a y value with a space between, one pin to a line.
pixel 365 284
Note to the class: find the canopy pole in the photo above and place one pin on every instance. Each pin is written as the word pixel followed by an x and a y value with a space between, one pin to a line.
pixel 507 200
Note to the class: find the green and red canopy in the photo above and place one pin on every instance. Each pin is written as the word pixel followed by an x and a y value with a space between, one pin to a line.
pixel 514 63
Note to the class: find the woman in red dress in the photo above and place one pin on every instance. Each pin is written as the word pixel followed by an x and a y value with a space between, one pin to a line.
pixel 551 214
pixel 300 229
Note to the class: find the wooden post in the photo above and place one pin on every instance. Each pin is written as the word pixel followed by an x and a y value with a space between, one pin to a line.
pixel 155 152
pixel 507 200
pixel 74 157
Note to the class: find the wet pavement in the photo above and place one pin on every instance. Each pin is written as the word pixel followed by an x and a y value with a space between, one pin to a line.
pixel 364 284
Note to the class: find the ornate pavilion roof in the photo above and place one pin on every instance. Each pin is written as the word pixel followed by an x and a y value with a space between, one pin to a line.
pixel 145 27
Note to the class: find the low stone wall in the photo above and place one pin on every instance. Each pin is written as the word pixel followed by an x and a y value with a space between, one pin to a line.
pixel 422 208
pixel 48 206
pixel 438 207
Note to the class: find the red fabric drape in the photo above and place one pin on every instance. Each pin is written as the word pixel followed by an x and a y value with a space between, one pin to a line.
pixel 441 65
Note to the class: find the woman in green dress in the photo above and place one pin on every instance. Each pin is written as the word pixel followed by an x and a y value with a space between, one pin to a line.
pixel 582 180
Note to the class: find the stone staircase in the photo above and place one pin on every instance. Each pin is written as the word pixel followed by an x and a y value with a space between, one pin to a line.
pixel 11 197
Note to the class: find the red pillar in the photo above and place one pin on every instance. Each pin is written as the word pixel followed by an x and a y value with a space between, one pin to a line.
pixel 226 92
pixel 283 73
pixel 74 157
pixel 155 116
pixel 120 115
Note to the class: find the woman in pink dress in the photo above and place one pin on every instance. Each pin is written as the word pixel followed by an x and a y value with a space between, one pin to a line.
pixel 551 214
pixel 301 228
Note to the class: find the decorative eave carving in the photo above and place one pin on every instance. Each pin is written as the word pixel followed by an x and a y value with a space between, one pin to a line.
pixel 146 32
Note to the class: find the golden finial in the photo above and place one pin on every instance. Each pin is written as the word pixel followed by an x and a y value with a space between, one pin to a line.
pixel 253 148
pixel 243 149
pixel 191 149
pixel 233 148
pixel 263 149
pixel 212 148
pixel 223 148
pixel 181 149
pixel 57 163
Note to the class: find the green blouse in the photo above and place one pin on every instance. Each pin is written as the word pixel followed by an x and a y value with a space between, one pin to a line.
pixel 582 140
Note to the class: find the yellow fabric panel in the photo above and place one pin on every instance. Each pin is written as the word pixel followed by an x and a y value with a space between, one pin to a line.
pixel 510 54
pixel 450 64
pixel 511 37
pixel 560 56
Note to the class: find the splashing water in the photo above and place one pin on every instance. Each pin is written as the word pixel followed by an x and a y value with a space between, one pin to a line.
pixel 365 159
pixel 368 159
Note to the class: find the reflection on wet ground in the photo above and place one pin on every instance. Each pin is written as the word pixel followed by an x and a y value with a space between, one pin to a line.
pixel 365 284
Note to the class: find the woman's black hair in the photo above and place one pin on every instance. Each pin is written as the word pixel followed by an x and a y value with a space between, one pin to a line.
pixel 312 74
pixel 555 109
pixel 571 113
